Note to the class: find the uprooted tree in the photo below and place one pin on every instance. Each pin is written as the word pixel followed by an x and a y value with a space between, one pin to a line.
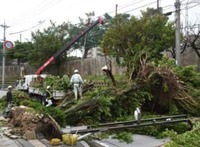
pixel 24 122
pixel 166 88
pixel 156 89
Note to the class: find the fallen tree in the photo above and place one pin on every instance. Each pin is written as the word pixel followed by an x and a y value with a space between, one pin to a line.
pixel 165 87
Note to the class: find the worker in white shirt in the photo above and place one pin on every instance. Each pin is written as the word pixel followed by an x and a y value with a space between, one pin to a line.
pixel 76 81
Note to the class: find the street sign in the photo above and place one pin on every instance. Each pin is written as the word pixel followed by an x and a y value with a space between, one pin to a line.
pixel 8 45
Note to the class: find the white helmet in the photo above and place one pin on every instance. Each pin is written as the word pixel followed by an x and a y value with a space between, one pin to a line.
pixel 76 71
pixel 9 87
pixel 48 87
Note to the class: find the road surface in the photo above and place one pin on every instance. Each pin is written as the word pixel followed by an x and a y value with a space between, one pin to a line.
pixel 2 93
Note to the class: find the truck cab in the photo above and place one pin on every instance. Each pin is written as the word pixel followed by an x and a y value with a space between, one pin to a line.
pixel 25 82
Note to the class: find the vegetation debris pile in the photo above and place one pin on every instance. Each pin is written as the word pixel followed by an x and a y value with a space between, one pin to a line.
pixel 24 122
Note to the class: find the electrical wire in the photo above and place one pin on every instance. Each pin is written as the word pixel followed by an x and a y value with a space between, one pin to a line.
pixel 37 10
pixel 42 7
pixel 140 7
pixel 120 7
pixel 128 5
pixel 39 23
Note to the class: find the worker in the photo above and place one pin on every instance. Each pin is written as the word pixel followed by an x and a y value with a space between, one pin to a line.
pixel 48 96
pixel 109 74
pixel 8 100
pixel 76 81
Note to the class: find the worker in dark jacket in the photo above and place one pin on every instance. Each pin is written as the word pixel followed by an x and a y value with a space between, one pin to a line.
pixel 9 95
pixel 8 100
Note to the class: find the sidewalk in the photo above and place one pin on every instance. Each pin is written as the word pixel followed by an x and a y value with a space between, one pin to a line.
pixel 6 141
pixel 13 141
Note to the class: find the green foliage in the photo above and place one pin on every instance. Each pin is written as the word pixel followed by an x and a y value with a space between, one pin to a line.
pixel 56 113
pixel 2 123
pixel 189 75
pixel 124 136
pixel 187 139
pixel 104 99
pixel 33 104
pixel 170 85
pixel 22 51
pixel 168 133
pixel 173 109
pixel 2 104
pixel 125 103
pixel 162 131
pixel 93 37
pixel 95 78
pixel 130 38
pixel 47 42
pixel 105 102
pixel 191 78
pixel 19 96
pixel 57 83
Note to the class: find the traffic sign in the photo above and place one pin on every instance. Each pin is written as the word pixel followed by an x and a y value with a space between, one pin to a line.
pixel 8 45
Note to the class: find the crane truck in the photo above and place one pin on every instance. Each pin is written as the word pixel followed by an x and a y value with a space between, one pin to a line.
pixel 25 83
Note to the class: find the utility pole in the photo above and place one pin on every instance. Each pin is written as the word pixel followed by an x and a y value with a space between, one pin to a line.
pixel 177 20
pixel 4 26
pixel 158 4
pixel 186 19
pixel 116 7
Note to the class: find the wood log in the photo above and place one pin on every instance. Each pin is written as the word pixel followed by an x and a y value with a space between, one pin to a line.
pixel 75 114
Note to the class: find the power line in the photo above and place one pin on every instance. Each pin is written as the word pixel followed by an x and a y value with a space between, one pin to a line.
pixel 128 5
pixel 140 7
pixel 39 23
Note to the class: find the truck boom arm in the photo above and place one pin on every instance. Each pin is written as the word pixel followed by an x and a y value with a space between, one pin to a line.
pixel 67 46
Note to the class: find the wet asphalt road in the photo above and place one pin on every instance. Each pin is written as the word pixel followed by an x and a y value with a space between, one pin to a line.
pixel 2 93
pixel 138 141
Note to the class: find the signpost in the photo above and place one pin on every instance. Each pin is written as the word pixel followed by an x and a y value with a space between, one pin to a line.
pixel 8 45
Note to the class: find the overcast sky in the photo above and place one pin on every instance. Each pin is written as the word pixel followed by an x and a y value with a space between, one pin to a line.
pixel 24 16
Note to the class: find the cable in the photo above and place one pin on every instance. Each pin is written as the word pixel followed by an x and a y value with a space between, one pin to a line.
pixel 128 5
pixel 125 6
pixel 50 2
pixel 37 10
pixel 39 23
pixel 43 6
pixel 140 7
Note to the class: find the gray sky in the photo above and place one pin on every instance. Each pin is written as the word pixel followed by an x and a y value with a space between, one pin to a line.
pixel 25 16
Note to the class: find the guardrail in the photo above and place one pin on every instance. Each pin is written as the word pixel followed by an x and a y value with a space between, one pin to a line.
pixel 132 124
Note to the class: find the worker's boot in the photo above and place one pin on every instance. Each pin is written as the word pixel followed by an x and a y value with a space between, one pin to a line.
pixel 81 97
pixel 76 96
